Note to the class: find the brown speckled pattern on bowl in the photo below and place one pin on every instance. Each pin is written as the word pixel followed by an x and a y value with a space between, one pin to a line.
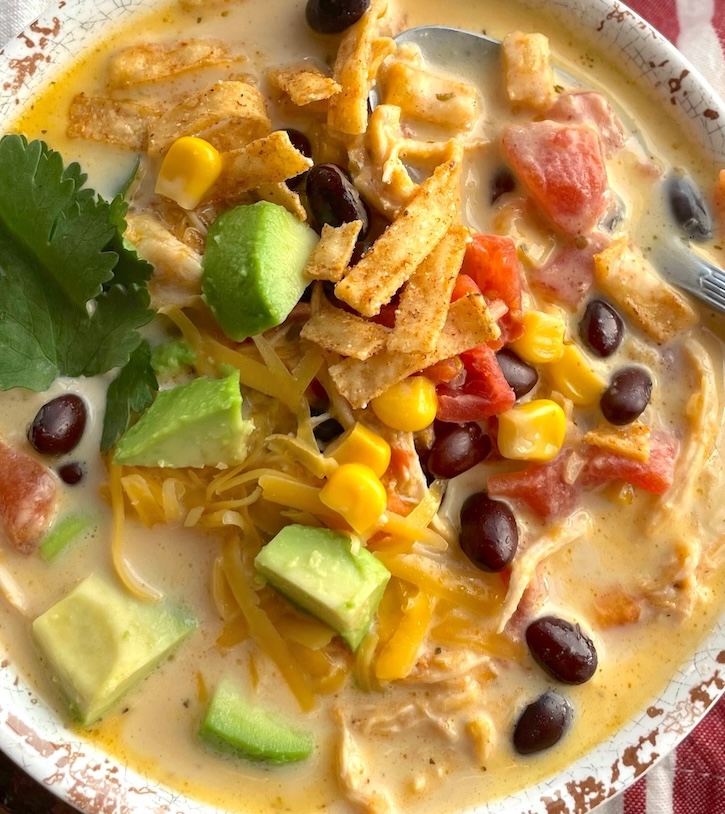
pixel 76 770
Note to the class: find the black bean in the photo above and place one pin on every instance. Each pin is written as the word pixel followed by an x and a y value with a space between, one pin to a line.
pixel 562 649
pixel 333 199
pixel 58 426
pixel 489 535
pixel 520 375
pixel 601 328
pixel 328 430
pixel 71 473
pixel 456 448
pixel 627 396
pixel 333 16
pixel 302 143
pixel 502 181
pixel 542 723
pixel 688 208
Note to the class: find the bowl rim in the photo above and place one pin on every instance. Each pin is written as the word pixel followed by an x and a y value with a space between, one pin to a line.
pixel 77 770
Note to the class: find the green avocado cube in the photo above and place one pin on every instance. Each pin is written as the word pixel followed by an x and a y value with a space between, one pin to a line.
pixel 99 643
pixel 323 573
pixel 196 424
pixel 253 267
pixel 233 724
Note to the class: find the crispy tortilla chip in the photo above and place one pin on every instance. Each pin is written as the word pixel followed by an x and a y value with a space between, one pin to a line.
pixel 359 56
pixel 156 61
pixel 342 332
pixel 424 302
pixel 333 253
pixel 97 118
pixel 282 195
pixel 406 242
pixel 268 160
pixel 304 84
pixel 468 324
pixel 430 97
pixel 632 441
pixel 227 114
pixel 529 74
pixel 654 305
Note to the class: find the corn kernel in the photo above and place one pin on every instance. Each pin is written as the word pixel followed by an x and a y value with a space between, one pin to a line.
pixel 543 338
pixel 409 406
pixel 575 379
pixel 360 445
pixel 533 431
pixel 189 170
pixel 355 492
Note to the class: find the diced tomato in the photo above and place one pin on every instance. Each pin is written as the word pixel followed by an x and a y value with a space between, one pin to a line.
pixel 484 393
pixel 541 487
pixel 569 275
pixel 464 285
pixel 446 371
pixel 590 107
pixel 654 475
pixel 28 497
pixel 562 167
pixel 492 262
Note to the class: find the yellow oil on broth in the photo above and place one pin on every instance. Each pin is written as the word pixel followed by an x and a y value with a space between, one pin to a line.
pixel 155 735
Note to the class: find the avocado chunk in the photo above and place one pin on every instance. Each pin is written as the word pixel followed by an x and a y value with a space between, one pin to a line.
pixel 99 643
pixel 253 267
pixel 195 424
pixel 233 724
pixel 322 572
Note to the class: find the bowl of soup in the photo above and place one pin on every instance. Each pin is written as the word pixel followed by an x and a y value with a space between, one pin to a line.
pixel 356 452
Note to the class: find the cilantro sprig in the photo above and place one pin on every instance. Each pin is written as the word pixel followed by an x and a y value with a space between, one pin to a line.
pixel 72 295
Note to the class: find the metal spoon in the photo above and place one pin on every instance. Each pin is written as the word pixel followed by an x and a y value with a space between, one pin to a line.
pixel 470 55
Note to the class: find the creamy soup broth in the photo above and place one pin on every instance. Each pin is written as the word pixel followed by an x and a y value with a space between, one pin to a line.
pixel 420 766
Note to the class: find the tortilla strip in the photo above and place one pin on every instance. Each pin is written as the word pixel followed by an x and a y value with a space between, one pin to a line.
pixel 359 56
pixel 227 114
pixel 156 61
pixel 405 243
pixel 333 253
pixel 424 302
pixel 529 75
pixel 268 160
pixel 304 84
pixel 98 118
pixel 469 323
pixel 633 441
pixel 654 305
pixel 282 195
pixel 341 332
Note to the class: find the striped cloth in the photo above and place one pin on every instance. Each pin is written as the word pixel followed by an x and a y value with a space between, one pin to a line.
pixel 692 779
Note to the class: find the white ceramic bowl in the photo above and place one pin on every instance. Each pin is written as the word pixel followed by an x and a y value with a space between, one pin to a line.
pixel 76 770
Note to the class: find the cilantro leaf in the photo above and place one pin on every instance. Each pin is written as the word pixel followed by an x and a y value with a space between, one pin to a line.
pixel 64 309
pixel 128 394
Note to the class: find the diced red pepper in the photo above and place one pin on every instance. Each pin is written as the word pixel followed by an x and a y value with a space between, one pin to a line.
pixel 541 487
pixel 562 167
pixel 492 262
pixel 654 475
pixel 484 393
pixel 28 497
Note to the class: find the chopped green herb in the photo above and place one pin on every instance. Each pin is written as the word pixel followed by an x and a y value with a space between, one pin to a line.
pixel 64 532
pixel 128 394
pixel 72 294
